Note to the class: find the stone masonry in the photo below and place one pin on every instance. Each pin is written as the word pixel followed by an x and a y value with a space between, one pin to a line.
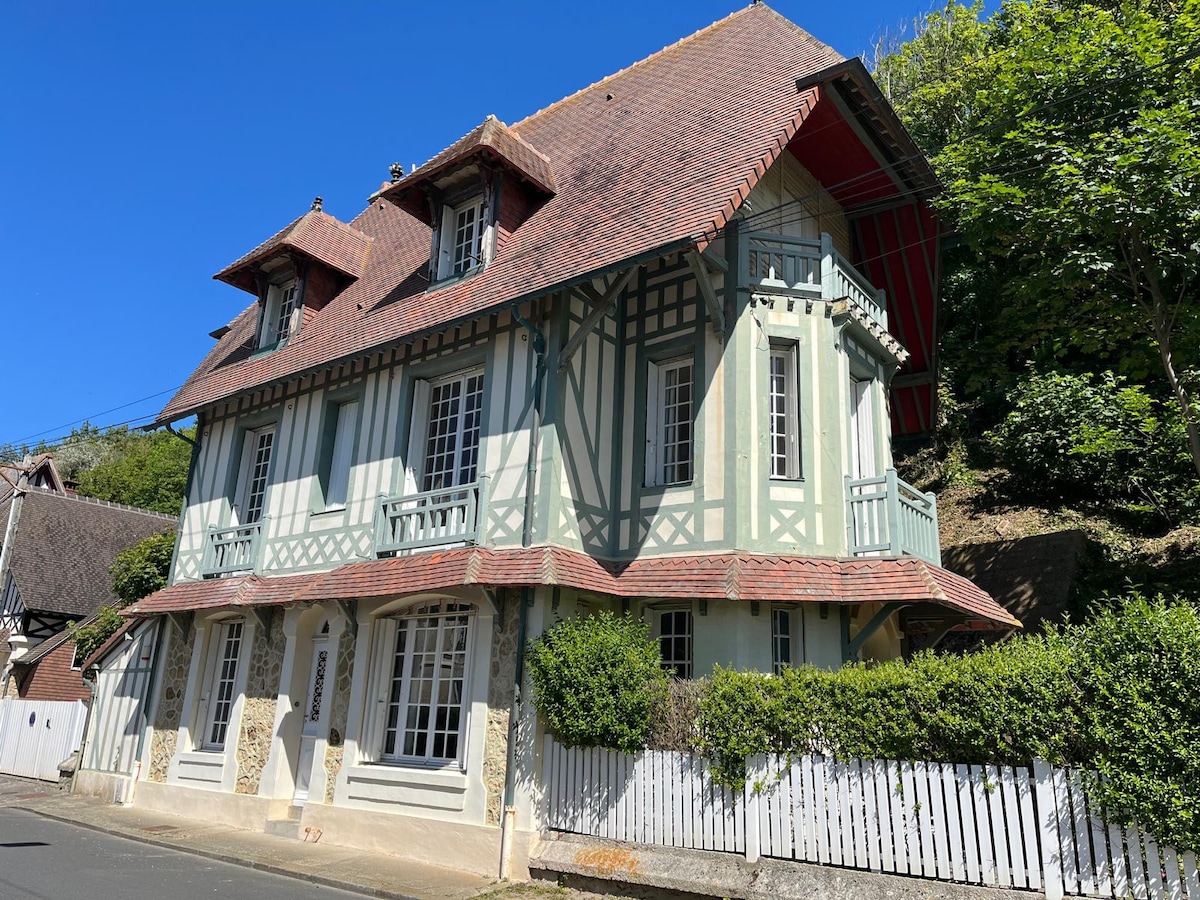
pixel 170 702
pixel 258 710
pixel 500 697
pixel 339 707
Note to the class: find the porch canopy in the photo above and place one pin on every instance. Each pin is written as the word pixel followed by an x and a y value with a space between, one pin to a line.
pixel 721 576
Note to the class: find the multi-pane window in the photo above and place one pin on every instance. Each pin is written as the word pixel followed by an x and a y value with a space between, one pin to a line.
pixel 452 438
pixel 675 641
pixel 256 466
pixel 670 437
pixel 427 684
pixel 784 414
pixel 462 236
pixel 227 646
pixel 781 639
pixel 337 475
pixel 281 314
pixel 287 307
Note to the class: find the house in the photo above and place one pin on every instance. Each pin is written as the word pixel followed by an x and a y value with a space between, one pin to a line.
pixel 54 569
pixel 644 350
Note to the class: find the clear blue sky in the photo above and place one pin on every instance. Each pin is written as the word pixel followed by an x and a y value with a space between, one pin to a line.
pixel 145 145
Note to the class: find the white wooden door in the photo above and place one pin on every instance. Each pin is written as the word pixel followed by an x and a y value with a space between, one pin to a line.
pixel 314 718
pixel 862 431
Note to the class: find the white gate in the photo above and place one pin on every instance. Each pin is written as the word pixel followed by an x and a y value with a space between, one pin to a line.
pixel 36 735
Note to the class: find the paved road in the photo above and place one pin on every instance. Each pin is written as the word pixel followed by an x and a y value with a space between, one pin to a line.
pixel 41 859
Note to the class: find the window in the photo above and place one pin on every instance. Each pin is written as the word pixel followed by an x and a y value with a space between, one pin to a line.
pixel 251 493
pixel 426 683
pixel 223 664
pixel 338 456
pixel 781 639
pixel 675 641
pixel 784 413
pixel 281 315
pixel 451 453
pixel 461 247
pixel 669 420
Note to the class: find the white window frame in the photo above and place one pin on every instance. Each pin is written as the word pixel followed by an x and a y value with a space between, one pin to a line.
pixel 680 667
pixel 221 670
pixel 783 413
pixel 450 265
pixel 247 475
pixel 341 457
pixel 864 458
pixel 791 631
pixel 274 329
pixel 394 652
pixel 417 477
pixel 664 467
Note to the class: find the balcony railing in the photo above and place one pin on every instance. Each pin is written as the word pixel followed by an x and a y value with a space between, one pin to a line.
pixel 230 550
pixel 889 517
pixel 443 518
pixel 778 264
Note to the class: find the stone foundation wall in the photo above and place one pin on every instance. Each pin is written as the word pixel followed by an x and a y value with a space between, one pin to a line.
pixel 502 675
pixel 258 710
pixel 170 701
pixel 339 708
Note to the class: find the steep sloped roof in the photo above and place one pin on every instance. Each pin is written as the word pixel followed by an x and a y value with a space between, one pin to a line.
pixel 657 156
pixel 65 545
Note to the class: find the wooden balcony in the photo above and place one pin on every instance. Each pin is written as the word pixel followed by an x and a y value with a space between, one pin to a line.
pixel 888 517
pixel 232 550
pixel 447 517
pixel 797 267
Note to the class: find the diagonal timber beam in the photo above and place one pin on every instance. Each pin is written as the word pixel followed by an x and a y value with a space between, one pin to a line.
pixel 604 305
pixel 716 312
pixel 851 648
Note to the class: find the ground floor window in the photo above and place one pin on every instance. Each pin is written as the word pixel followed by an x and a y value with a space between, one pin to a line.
pixel 423 680
pixel 225 651
pixel 675 641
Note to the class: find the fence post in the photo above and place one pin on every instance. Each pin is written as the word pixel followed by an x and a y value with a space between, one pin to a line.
pixel 756 774
pixel 1047 824
pixel 892 512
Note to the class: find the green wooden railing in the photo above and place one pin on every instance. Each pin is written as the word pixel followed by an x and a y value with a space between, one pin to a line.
pixel 237 549
pixel 886 516
pixel 446 517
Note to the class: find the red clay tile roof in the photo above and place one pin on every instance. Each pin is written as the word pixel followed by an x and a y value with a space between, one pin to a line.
pixel 492 138
pixel 722 576
pixel 316 234
pixel 664 163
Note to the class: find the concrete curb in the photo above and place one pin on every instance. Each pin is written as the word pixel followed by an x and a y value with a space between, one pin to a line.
pixel 216 856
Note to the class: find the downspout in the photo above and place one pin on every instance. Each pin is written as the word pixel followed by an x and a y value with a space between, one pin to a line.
pixel 93 690
pixel 508 821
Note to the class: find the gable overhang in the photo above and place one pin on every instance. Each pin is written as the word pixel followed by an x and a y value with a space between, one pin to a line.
pixel 855 145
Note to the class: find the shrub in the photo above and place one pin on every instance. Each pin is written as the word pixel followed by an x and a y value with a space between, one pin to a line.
pixel 88 638
pixel 596 680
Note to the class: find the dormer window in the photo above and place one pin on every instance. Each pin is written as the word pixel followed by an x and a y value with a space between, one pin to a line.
pixel 282 313
pixel 463 228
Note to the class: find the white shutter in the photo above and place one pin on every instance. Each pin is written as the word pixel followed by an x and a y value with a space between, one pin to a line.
pixel 243 479
pixel 383 652
pixel 445 260
pixel 414 460
pixel 653 423
pixel 343 448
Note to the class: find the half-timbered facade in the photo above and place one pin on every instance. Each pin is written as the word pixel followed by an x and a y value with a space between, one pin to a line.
pixel 644 350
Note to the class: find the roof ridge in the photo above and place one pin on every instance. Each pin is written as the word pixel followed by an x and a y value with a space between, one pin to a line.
pixel 646 59
pixel 97 501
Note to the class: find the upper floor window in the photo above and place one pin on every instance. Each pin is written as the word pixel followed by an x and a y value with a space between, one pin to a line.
pixel 783 410
pixel 251 492
pixel 462 239
pixel 675 641
pixel 455 415
pixel 669 422
pixel 337 454
pixel 281 316
pixel 224 653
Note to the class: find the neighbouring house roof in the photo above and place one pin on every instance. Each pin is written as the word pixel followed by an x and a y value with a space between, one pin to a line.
pixel 42 471
pixel 656 157
pixel 315 234
pixel 64 547
pixel 722 576
pixel 48 672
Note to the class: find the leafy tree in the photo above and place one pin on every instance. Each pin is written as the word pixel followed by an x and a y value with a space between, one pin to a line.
pixel 88 638
pixel 142 569
pixel 145 470
pixel 1077 169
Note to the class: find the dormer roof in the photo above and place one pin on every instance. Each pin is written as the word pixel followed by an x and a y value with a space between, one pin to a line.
pixel 316 235
pixel 490 142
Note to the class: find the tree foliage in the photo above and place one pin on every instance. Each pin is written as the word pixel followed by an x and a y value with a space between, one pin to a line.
pixel 142 569
pixel 139 469
pixel 596 680
pixel 89 638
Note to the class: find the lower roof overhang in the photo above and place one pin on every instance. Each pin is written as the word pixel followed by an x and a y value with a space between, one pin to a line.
pixel 720 576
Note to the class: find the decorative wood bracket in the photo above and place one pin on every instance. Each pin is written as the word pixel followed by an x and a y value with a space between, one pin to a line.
pixel 604 305
pixel 947 625
pixel 348 613
pixel 851 648
pixel 716 312
pixel 180 622
pixel 495 601
pixel 263 618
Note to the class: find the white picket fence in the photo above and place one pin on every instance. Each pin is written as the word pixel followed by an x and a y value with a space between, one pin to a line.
pixel 37 735
pixel 1001 826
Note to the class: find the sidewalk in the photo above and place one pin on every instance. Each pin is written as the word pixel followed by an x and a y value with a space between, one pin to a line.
pixel 341 867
